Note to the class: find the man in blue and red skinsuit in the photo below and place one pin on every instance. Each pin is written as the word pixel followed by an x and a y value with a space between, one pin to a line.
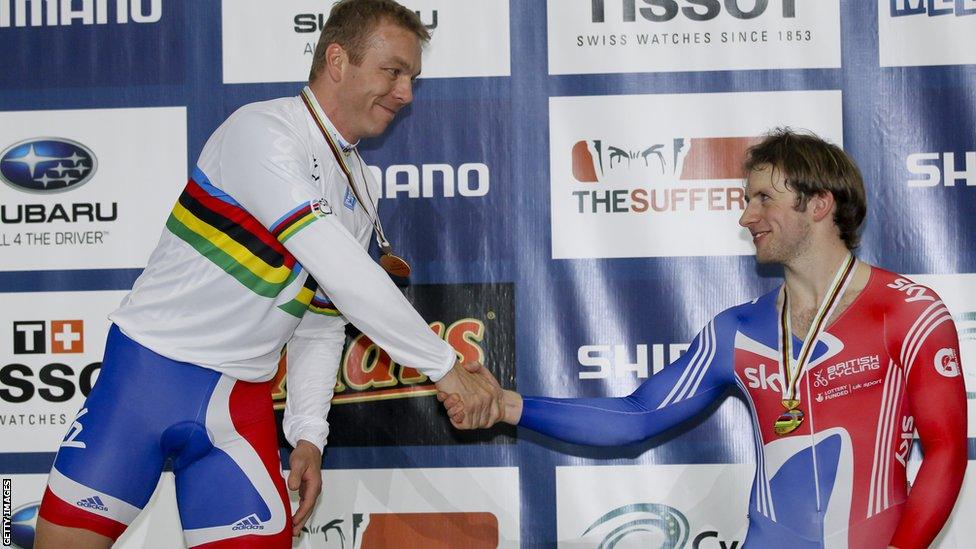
pixel 873 357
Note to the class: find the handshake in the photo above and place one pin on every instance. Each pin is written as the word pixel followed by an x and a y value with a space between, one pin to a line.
pixel 474 399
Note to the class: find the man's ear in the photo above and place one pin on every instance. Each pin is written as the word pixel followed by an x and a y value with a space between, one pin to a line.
pixel 821 205
pixel 336 61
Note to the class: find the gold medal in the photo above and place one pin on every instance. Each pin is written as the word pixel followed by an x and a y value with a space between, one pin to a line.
pixel 395 265
pixel 788 421
pixel 792 370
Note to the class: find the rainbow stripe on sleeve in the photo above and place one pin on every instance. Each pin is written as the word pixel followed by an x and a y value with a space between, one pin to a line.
pixel 222 231
pixel 306 300
pixel 289 224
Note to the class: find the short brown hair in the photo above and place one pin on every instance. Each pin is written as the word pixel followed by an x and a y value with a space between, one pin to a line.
pixel 352 22
pixel 812 166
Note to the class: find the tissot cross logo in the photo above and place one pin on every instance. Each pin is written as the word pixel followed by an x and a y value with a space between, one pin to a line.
pixel 31 337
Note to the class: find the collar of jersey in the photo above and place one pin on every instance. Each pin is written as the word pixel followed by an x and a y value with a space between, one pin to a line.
pixel 346 146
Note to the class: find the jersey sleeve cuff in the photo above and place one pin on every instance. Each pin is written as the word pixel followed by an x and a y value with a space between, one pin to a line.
pixel 445 366
pixel 315 434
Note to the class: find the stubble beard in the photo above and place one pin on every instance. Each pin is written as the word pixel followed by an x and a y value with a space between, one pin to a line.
pixel 786 252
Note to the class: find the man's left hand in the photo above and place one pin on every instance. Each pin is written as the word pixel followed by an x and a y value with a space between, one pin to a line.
pixel 306 478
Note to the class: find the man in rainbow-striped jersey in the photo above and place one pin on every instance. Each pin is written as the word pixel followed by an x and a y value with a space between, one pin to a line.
pixel 266 246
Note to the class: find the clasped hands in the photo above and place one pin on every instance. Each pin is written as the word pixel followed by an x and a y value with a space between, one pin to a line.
pixel 474 399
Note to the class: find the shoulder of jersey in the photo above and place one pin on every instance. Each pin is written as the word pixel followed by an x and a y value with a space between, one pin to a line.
pixel 748 314
pixel 288 110
pixel 900 293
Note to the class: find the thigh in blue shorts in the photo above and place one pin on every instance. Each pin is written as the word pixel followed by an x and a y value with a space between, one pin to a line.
pixel 146 408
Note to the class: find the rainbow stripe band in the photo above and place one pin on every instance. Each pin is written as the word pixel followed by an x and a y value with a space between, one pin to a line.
pixel 221 230
pixel 292 222
pixel 306 300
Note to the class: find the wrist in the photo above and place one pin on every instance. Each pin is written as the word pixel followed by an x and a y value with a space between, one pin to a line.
pixel 512 407
pixel 304 445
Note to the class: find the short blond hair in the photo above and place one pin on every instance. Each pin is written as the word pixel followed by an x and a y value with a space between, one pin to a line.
pixel 352 22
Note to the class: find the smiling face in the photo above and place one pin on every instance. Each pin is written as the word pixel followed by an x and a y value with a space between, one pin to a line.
pixel 779 232
pixel 370 94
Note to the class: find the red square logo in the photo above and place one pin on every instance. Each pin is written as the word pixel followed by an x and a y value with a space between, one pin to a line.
pixel 67 336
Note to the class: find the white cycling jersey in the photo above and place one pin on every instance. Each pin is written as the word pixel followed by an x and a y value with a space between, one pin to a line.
pixel 265 246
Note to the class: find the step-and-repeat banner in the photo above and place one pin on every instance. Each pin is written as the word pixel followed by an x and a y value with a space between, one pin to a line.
pixel 567 187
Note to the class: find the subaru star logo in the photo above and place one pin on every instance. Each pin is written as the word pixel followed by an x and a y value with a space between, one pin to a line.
pixel 47 165
pixel 22 524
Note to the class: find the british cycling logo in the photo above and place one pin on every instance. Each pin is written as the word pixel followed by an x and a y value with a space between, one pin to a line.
pixel 932 8
pixel 947 362
pixel 47 165
pixel 23 521
pixel 851 367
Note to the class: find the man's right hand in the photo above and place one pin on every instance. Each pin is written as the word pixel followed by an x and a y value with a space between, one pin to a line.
pixel 482 399
pixel 511 401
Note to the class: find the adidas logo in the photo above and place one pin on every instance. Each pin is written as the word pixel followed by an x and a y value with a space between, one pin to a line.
pixel 93 503
pixel 249 523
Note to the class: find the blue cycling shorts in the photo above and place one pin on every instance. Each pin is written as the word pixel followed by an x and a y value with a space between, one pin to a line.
pixel 145 409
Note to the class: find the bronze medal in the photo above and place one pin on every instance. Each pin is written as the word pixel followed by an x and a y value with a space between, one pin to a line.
pixel 392 264
pixel 395 265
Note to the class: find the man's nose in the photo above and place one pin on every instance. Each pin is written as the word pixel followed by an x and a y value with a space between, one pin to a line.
pixel 748 216
pixel 403 91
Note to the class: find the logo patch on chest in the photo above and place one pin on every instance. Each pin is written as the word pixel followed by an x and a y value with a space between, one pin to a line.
pixel 848 368
pixel 320 208
pixel 349 201
pixel 844 378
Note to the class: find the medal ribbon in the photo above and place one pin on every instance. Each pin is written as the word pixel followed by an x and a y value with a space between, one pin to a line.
pixel 375 219
pixel 794 370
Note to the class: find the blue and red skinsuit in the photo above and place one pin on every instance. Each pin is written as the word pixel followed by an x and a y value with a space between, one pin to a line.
pixel 887 366
pixel 219 432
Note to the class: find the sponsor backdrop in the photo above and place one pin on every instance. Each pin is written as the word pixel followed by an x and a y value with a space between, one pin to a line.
pixel 566 186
